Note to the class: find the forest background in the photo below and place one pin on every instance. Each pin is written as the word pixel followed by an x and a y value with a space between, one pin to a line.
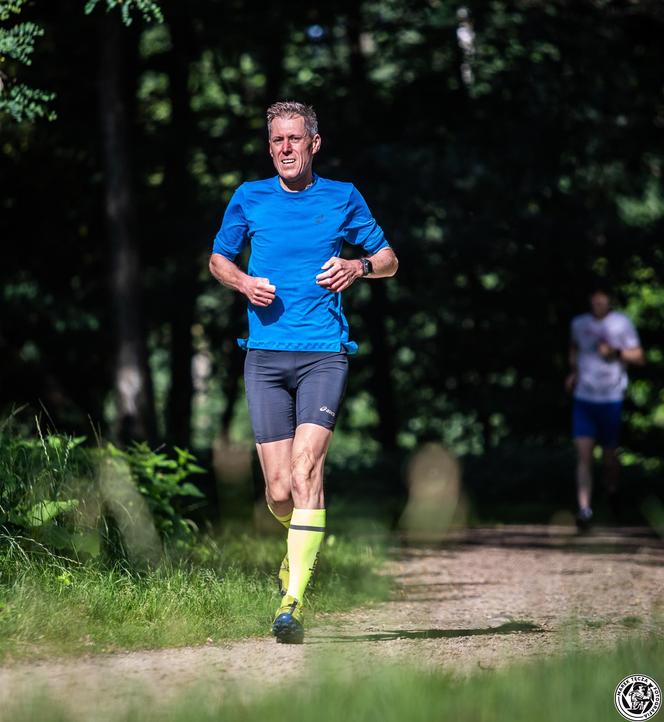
pixel 511 151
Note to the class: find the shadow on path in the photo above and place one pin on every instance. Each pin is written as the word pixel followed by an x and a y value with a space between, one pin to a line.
pixel 600 540
pixel 389 635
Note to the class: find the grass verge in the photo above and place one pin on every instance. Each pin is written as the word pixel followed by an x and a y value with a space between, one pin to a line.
pixel 48 606
pixel 575 688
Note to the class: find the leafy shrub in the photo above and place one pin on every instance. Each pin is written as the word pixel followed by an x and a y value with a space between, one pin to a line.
pixel 161 480
pixel 58 494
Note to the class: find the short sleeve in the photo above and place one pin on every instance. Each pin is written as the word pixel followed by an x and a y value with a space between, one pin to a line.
pixel 232 236
pixel 361 228
pixel 629 337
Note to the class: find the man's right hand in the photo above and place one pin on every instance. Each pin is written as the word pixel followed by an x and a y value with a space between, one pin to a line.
pixel 570 382
pixel 259 291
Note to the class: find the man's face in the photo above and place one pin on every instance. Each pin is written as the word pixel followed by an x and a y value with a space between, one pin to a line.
pixel 600 304
pixel 292 151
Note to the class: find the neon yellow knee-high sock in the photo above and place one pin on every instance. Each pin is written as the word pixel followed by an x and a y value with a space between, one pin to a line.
pixel 285 520
pixel 305 535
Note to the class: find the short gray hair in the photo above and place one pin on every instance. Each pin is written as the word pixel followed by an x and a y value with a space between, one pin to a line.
pixel 292 109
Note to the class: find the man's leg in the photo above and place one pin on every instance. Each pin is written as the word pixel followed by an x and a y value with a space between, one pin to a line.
pixel 584 431
pixel 272 413
pixel 608 438
pixel 611 475
pixel 321 380
pixel 584 460
pixel 275 458
pixel 611 470
pixel 307 527
pixel 308 521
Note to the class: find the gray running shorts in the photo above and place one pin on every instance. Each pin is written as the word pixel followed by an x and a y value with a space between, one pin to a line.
pixel 289 388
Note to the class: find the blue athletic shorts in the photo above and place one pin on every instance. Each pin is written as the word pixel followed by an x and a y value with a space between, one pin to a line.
pixel 597 420
pixel 289 388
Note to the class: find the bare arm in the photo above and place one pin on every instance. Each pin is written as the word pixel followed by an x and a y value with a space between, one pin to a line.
pixel 258 291
pixel 384 263
pixel 572 356
pixel 339 273
pixel 632 355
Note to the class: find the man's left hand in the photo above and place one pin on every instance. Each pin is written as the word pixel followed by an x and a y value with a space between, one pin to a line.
pixel 608 353
pixel 338 274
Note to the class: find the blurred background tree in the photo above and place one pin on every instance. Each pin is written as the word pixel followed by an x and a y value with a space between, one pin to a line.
pixel 510 150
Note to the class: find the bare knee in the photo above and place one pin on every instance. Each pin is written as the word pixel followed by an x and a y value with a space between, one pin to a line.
pixel 278 486
pixel 584 452
pixel 277 495
pixel 304 472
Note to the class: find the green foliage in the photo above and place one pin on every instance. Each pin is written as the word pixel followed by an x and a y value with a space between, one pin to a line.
pixel 38 479
pixel 17 43
pixel 9 8
pixel 149 9
pixel 45 511
pixel 20 101
pixel 26 104
pixel 61 495
pixel 501 191
pixel 161 480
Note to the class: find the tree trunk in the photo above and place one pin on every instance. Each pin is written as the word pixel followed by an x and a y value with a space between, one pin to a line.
pixel 182 217
pixel 135 415
pixel 382 386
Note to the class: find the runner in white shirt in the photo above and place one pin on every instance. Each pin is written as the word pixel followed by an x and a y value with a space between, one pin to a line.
pixel 603 343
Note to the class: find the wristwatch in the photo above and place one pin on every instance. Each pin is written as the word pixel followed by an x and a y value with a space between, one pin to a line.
pixel 367 268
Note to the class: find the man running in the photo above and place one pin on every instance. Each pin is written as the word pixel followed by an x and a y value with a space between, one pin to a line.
pixel 603 343
pixel 296 365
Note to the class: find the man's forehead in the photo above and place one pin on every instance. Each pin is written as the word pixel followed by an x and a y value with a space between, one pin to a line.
pixel 294 124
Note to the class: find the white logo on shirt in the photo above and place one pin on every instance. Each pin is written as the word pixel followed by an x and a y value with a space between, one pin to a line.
pixel 327 411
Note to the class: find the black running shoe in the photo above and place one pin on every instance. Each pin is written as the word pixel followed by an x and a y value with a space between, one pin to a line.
pixel 584 519
pixel 287 626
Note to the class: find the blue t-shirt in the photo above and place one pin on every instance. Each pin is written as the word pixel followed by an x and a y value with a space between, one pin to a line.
pixel 292 234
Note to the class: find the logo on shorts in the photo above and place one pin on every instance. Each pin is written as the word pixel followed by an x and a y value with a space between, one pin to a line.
pixel 638 697
pixel 319 219
pixel 327 411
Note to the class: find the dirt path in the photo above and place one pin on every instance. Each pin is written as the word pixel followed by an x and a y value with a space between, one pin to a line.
pixel 485 598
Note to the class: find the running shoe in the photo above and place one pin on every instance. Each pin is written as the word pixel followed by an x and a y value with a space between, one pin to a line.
pixel 584 519
pixel 283 576
pixel 288 625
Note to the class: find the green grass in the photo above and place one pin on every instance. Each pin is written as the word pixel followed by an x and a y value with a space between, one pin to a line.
pixel 575 688
pixel 56 493
pixel 48 606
